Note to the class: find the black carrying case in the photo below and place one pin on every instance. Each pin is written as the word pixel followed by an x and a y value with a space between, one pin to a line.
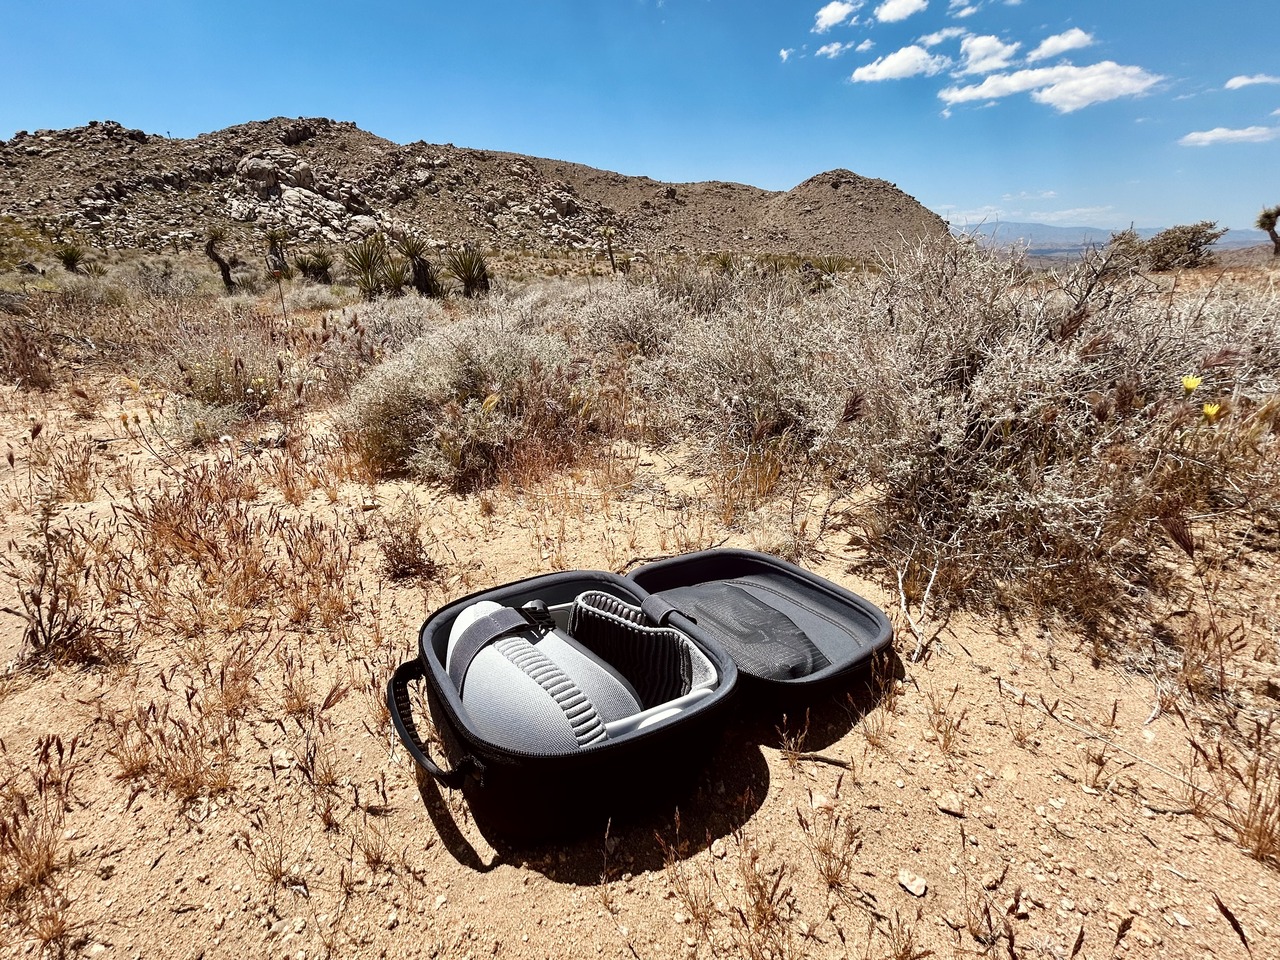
pixel 770 629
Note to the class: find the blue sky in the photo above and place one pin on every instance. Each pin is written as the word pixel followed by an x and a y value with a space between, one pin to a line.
pixel 1072 112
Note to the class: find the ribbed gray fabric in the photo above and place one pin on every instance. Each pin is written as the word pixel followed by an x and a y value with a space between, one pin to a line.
pixel 656 660
pixel 568 696
pixel 540 694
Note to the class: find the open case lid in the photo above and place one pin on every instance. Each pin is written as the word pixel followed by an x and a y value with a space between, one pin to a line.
pixel 782 625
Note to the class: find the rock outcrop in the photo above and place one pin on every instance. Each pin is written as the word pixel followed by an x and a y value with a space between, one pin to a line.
pixel 330 182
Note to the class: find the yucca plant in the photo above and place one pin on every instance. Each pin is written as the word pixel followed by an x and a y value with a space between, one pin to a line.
pixel 315 266
pixel 71 256
pixel 367 260
pixel 1267 221
pixel 426 280
pixel 469 268
pixel 396 273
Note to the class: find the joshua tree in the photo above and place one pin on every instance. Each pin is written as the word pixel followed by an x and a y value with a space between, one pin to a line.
pixel 609 233
pixel 277 264
pixel 214 237
pixel 1267 221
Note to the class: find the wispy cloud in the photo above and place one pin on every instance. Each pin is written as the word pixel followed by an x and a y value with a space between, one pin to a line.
pixel 1025 196
pixel 962 8
pixel 946 33
pixel 867 44
pixel 785 54
pixel 986 54
pixel 1076 216
pixel 1235 83
pixel 891 11
pixel 910 61
pixel 834 14
pixel 832 50
pixel 1207 138
pixel 1066 88
pixel 1060 43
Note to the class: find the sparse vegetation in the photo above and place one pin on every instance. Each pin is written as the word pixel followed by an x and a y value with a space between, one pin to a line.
pixel 1184 247
pixel 1064 482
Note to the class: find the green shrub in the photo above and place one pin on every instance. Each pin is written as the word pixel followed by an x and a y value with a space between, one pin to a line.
pixel 26 354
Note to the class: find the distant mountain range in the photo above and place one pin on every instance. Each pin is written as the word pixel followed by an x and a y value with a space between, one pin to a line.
pixel 1041 239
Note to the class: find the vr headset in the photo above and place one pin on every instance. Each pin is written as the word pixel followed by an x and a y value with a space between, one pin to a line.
pixel 560 679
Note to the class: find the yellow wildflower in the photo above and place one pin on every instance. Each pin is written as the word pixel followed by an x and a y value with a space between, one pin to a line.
pixel 1211 411
pixel 1189 384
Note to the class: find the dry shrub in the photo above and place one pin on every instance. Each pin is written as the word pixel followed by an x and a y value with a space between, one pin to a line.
pixel 65 598
pixel 34 799
pixel 832 837
pixel 762 367
pixel 1025 439
pixel 201 536
pixel 26 354
pixel 1246 780
pixel 468 402
pixel 405 555
pixel 750 914
pixel 186 750
pixel 1011 437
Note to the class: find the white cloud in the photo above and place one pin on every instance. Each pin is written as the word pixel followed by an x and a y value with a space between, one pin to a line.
pixel 985 54
pixel 785 54
pixel 910 61
pixel 1060 43
pixel 1207 138
pixel 891 11
pixel 832 50
pixel 946 33
pixel 1066 88
pixel 834 14
pixel 1024 195
pixel 1077 216
pixel 866 45
pixel 1235 83
pixel 961 12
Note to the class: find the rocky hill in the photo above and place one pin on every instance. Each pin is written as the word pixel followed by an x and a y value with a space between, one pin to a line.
pixel 330 182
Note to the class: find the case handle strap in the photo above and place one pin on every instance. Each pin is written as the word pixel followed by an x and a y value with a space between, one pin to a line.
pixel 479 635
pixel 659 611
pixel 402 719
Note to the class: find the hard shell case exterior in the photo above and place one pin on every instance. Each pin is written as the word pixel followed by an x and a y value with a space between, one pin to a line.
pixel 731 603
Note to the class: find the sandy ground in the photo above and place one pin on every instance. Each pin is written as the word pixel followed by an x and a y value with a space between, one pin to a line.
pixel 1034 800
